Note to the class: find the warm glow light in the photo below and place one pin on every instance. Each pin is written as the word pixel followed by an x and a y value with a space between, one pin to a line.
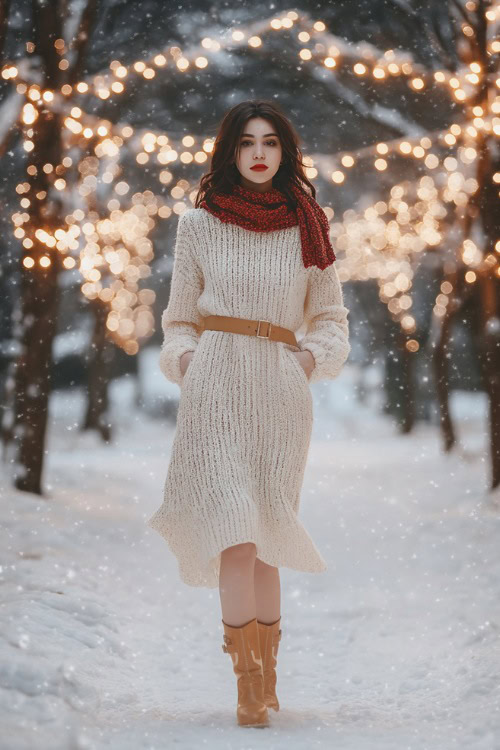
pixel 381 242
pixel 347 160
pixel 431 161
pixel 9 72
pixel 30 114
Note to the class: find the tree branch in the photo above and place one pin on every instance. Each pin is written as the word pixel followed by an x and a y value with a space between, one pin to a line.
pixel 458 5
pixel 406 8
pixel 421 20
pixel 4 23
pixel 389 118
pixel 47 29
pixel 10 111
pixel 82 39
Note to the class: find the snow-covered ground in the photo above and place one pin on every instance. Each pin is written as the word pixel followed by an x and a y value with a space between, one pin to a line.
pixel 395 647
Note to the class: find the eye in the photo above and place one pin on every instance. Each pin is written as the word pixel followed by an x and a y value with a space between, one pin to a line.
pixel 270 143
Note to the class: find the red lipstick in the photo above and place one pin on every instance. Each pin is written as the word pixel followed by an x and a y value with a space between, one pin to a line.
pixel 259 167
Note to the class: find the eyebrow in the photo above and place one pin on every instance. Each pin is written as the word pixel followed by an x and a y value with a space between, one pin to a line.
pixel 264 136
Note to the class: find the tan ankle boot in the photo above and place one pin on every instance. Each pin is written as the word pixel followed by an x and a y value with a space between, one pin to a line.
pixel 269 637
pixel 242 643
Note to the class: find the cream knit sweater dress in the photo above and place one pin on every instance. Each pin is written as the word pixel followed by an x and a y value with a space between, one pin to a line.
pixel 245 412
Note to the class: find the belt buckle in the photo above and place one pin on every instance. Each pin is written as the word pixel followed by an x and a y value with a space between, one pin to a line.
pixel 268 330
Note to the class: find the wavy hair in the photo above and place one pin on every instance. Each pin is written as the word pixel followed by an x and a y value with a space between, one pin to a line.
pixel 224 173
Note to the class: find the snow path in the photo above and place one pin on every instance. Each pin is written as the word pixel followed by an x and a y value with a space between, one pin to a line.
pixel 395 646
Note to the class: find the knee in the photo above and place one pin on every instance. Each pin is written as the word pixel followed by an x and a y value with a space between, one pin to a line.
pixel 241 553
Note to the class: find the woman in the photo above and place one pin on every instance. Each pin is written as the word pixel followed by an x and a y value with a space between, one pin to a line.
pixel 253 261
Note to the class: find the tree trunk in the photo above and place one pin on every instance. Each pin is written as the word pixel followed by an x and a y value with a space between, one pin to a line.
pixel 490 366
pixel 39 284
pixel 485 204
pixel 407 421
pixel 440 359
pixel 101 358
pixel 490 218
pixel 39 307
pixel 39 301
pixel 398 380
pixel 440 364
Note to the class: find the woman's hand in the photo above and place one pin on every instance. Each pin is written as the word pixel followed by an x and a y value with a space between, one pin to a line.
pixel 184 361
pixel 306 360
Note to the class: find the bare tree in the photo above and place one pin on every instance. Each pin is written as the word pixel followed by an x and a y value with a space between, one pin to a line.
pixel 39 288
pixel 458 39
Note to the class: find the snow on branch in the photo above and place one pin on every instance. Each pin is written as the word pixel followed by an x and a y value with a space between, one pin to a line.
pixel 10 111
pixel 390 118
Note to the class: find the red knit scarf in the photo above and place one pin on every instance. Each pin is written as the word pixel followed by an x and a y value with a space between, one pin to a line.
pixel 266 212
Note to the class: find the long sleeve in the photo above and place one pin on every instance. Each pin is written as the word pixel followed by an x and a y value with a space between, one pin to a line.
pixel 181 320
pixel 327 332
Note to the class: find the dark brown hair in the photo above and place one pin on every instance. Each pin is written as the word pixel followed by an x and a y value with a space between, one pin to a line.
pixel 224 173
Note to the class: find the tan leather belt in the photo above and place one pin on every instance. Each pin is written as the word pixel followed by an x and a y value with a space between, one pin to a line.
pixel 263 329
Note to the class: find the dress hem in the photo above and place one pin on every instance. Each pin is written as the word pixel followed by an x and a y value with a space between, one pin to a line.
pixel 212 581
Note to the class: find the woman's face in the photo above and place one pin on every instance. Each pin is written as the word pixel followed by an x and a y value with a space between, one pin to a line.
pixel 259 144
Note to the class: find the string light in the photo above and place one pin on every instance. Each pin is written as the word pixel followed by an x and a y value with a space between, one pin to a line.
pixel 115 250
pixel 363 59
pixel 376 245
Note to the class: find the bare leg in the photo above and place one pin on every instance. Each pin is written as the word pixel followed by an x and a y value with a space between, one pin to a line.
pixel 236 584
pixel 267 592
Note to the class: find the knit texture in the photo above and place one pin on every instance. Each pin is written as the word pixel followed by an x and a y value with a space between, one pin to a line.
pixel 269 211
pixel 245 413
